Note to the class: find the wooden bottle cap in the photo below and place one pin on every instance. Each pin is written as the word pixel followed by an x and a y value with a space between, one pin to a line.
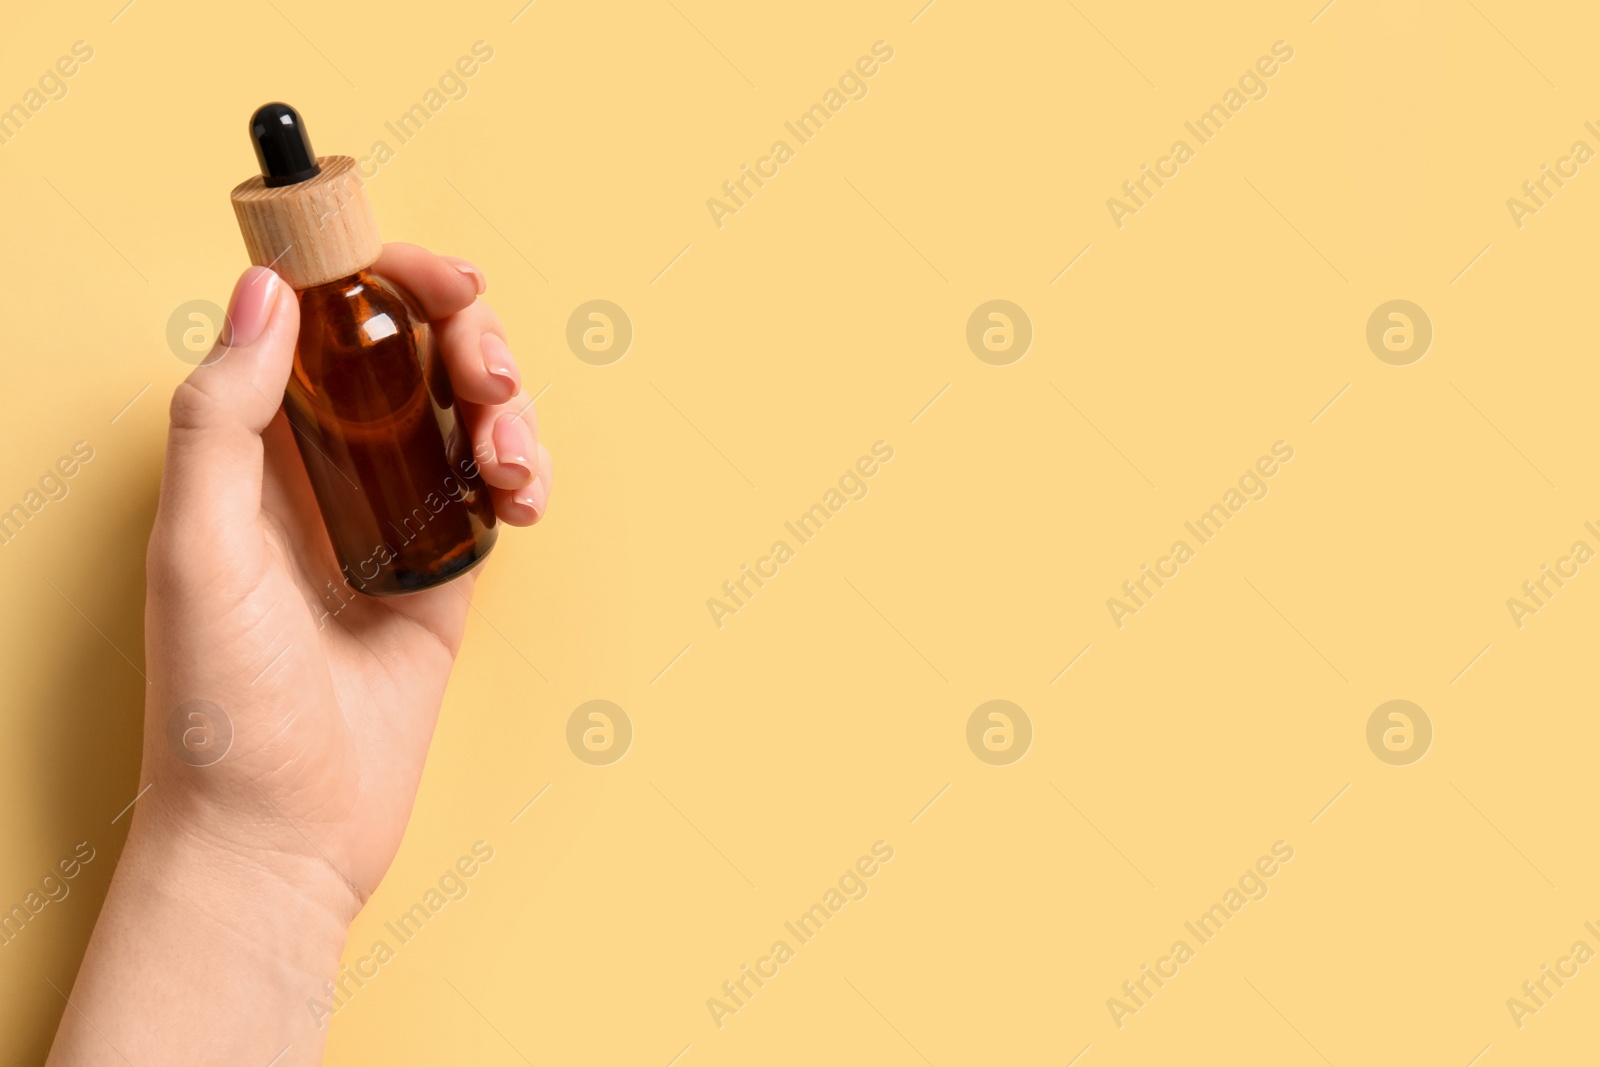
pixel 312 232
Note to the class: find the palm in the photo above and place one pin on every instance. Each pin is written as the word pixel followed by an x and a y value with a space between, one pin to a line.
pixel 377 667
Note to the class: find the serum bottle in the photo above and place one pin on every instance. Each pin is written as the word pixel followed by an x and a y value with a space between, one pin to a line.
pixel 369 399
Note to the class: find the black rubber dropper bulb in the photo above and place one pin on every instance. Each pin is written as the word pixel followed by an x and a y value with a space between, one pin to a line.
pixel 282 147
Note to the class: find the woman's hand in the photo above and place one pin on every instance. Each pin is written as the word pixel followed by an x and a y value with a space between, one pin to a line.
pixel 287 718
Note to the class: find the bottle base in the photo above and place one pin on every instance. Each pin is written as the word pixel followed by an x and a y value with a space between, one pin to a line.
pixel 401 581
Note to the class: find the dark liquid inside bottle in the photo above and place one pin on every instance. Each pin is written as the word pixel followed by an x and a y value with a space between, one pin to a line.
pixel 389 458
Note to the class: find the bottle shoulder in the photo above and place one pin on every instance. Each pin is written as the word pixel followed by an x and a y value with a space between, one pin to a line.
pixel 365 351
pixel 360 297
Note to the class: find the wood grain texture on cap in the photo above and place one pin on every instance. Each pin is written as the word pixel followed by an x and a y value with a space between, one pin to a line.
pixel 312 232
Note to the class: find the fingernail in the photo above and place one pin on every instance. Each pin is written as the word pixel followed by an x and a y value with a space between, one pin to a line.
pixel 478 280
pixel 250 308
pixel 513 444
pixel 498 362
pixel 535 498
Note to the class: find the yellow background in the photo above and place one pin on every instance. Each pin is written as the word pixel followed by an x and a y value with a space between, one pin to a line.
pixel 770 753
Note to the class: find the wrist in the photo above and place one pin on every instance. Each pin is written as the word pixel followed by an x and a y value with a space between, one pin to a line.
pixel 196 927
pixel 290 909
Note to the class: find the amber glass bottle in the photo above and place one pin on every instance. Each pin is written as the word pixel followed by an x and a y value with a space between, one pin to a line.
pixel 375 417
pixel 369 398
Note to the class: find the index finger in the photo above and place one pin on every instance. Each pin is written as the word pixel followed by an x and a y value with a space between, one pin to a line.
pixel 442 286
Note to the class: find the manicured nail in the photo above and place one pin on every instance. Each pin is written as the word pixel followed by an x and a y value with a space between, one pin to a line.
pixel 478 280
pixel 513 444
pixel 498 362
pixel 250 309
pixel 535 498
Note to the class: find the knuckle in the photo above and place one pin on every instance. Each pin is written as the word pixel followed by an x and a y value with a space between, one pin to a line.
pixel 165 560
pixel 191 408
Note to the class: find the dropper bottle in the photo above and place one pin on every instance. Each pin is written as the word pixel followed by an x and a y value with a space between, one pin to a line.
pixel 388 456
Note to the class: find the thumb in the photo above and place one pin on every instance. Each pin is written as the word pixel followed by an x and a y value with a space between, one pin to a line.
pixel 211 482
